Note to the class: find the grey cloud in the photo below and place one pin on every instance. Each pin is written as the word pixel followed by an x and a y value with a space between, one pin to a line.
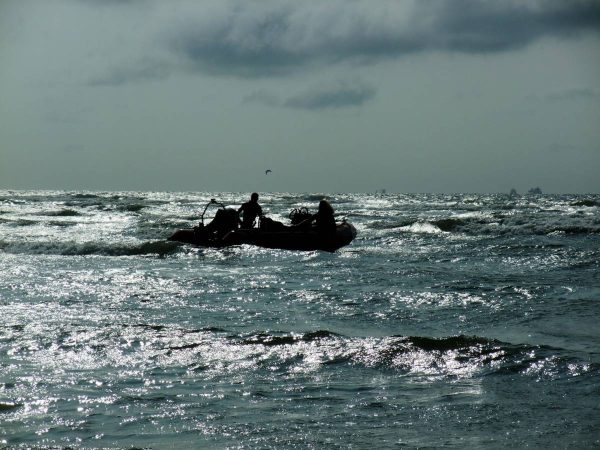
pixel 556 147
pixel 145 70
pixel 339 96
pixel 342 94
pixel 262 97
pixel 575 94
pixel 269 38
pixel 110 2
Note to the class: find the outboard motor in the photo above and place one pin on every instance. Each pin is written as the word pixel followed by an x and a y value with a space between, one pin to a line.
pixel 225 220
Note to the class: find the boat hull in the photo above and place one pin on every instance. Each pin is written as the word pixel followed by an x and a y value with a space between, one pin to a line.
pixel 289 238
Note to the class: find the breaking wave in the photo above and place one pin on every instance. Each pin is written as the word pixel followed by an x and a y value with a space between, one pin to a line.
pixel 491 226
pixel 314 197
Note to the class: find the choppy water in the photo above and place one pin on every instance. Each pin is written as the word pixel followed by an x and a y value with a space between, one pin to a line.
pixel 452 320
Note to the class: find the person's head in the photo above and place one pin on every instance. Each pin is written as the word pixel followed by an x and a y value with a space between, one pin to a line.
pixel 325 207
pixel 254 197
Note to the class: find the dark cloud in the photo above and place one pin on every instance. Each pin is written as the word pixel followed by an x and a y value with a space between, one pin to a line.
pixel 476 26
pixel 265 38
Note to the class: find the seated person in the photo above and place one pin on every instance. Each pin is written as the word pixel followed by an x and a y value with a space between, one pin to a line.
pixel 323 219
pixel 250 211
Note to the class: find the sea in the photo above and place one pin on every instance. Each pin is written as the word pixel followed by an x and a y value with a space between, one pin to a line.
pixel 451 321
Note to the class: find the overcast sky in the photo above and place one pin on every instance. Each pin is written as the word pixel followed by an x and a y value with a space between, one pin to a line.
pixel 333 96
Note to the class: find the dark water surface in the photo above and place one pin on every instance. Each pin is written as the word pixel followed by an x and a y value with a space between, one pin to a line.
pixel 452 320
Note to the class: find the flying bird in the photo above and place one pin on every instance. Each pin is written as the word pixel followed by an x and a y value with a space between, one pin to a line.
pixel 268 171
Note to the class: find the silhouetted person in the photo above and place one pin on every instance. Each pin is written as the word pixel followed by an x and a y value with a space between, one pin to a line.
pixel 324 222
pixel 250 211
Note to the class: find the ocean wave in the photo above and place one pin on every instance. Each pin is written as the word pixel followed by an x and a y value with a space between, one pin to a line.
pixel 446 356
pixel 131 207
pixel 212 350
pixel 571 229
pixel 314 197
pixel 61 223
pixel 160 248
pixel 586 202
pixel 450 224
pixel 541 227
pixel 421 228
pixel 82 195
pixel 272 340
pixel 401 343
pixel 9 407
pixel 61 213
pixel 18 222
pixel 391 224
pixel 491 226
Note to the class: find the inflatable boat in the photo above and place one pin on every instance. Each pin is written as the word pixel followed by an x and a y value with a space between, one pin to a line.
pixel 224 231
